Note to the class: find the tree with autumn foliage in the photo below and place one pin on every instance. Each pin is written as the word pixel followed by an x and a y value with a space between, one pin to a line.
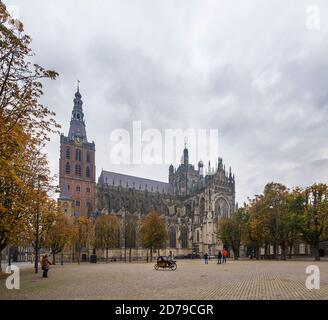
pixel 256 225
pixel 153 232
pixel 130 234
pixel 21 198
pixel 293 217
pixel 106 233
pixel 315 217
pixel 231 230
pixel 48 212
pixel 25 125
pixel 273 220
pixel 282 217
pixel 83 234
pixel 60 233
pixel 274 206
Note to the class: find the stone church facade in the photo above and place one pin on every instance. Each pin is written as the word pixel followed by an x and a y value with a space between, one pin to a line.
pixel 191 202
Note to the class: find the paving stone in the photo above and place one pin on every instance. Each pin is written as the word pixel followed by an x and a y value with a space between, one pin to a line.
pixel 246 280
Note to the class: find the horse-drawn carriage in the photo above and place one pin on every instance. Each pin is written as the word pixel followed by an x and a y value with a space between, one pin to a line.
pixel 165 263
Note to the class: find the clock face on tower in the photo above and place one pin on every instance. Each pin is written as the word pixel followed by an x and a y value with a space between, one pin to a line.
pixel 78 140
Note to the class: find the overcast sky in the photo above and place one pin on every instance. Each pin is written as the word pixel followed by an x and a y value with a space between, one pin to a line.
pixel 251 69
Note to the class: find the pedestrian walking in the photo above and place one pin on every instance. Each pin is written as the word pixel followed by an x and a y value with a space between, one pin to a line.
pixel 45 264
pixel 206 257
pixel 219 257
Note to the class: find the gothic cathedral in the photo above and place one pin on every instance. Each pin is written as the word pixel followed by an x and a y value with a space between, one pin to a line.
pixel 191 202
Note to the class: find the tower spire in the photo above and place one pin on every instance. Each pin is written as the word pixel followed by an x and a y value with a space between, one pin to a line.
pixel 186 142
pixel 185 155
pixel 77 126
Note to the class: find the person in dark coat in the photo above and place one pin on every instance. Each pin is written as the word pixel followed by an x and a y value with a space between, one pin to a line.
pixel 206 257
pixel 219 257
pixel 45 263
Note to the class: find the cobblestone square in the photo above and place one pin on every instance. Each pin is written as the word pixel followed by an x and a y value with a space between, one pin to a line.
pixel 193 280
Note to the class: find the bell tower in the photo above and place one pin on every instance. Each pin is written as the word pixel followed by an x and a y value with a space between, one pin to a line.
pixel 77 170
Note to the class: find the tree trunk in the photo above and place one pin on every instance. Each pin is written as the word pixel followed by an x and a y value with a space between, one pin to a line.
pixel 266 247
pixel 130 254
pixel 235 249
pixel 315 252
pixel 2 247
pixel 257 252
pixel 283 251
pixel 78 257
pixel 275 251
pixel 106 255
pixel 151 254
pixel 235 253
pixel 53 258
pixel 290 250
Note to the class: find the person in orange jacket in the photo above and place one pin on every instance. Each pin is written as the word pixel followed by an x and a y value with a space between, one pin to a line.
pixel 224 256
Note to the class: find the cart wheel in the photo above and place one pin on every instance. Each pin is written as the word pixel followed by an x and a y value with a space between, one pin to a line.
pixel 156 266
pixel 174 266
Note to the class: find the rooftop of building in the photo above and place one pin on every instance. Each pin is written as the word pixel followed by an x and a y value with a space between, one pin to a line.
pixel 127 181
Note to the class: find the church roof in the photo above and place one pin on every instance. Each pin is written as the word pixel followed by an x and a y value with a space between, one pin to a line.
pixel 126 181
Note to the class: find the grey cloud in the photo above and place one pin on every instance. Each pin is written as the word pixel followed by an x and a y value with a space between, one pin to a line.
pixel 248 68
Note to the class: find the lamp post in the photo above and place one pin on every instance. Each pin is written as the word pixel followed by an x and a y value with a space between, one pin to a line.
pixel 125 234
pixel 9 256
pixel 192 237
pixel 276 233
pixel 36 258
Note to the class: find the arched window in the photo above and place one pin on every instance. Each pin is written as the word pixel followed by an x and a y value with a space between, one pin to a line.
pixel 78 171
pixel 68 168
pixel 78 189
pixel 89 207
pixel 172 237
pixel 197 235
pixel 221 208
pixel 87 172
pixel 202 207
pixel 88 157
pixel 184 238
pixel 68 153
pixel 78 155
